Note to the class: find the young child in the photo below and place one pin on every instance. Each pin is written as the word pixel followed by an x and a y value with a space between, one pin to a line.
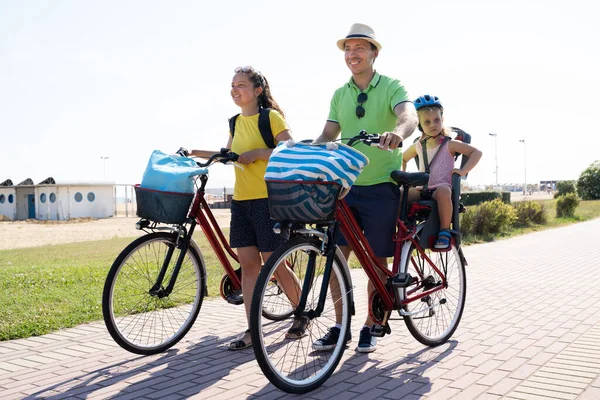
pixel 251 228
pixel 438 161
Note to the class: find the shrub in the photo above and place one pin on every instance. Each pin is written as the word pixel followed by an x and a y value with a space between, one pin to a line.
pixel 529 213
pixel 475 198
pixel 564 187
pixel 490 217
pixel 566 205
pixel 588 184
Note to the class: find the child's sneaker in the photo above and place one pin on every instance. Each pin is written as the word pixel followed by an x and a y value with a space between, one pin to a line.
pixel 367 343
pixel 330 339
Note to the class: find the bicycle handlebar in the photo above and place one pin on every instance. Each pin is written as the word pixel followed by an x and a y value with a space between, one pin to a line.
pixel 370 139
pixel 224 156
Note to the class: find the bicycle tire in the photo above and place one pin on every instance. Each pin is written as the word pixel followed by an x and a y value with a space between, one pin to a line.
pixel 291 364
pixel 277 310
pixel 143 323
pixel 434 326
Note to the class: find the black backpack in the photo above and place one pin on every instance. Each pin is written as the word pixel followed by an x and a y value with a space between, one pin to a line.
pixel 264 126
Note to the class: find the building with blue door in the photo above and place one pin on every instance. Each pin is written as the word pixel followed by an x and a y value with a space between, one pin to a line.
pixel 49 200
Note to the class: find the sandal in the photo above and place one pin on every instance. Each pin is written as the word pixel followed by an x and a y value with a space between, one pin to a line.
pixel 240 344
pixel 443 240
pixel 298 329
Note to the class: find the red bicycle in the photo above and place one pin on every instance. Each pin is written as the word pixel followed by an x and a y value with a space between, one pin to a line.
pixel 427 287
pixel 155 287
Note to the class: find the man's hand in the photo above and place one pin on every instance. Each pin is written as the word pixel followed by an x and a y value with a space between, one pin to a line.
pixel 390 140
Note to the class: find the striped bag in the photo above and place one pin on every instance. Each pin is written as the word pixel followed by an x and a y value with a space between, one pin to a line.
pixel 304 181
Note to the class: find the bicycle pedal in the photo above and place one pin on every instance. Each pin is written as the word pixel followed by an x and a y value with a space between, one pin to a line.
pixel 235 299
pixel 380 330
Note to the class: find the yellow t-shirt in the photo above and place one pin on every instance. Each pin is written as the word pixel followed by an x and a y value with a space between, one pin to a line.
pixel 250 182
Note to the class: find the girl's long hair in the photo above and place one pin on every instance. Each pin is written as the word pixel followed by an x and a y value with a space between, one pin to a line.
pixel 265 99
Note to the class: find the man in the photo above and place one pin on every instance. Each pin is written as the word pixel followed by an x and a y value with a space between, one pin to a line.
pixel 377 104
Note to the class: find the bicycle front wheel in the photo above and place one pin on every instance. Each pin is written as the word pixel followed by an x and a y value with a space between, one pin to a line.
pixel 141 317
pixel 433 318
pixel 290 363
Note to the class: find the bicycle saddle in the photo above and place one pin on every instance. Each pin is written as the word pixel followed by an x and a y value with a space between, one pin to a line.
pixel 410 178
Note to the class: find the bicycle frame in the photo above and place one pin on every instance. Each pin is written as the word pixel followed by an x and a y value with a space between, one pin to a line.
pixel 364 253
pixel 201 214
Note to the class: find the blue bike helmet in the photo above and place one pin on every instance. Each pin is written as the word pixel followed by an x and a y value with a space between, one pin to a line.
pixel 428 100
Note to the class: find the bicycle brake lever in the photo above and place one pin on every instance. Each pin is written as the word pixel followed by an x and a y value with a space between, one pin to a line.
pixel 235 165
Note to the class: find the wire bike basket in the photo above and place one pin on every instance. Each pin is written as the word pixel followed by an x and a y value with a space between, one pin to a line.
pixel 305 181
pixel 165 207
pixel 306 202
pixel 167 188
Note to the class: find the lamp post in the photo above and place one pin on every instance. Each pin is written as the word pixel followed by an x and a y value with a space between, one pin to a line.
pixel 104 160
pixel 524 164
pixel 495 153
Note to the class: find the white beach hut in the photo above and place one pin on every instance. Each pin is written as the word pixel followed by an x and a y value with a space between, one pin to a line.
pixel 49 200
pixel 8 204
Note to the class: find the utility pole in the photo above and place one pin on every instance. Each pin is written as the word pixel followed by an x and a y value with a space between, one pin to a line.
pixel 495 153
pixel 524 164
pixel 104 160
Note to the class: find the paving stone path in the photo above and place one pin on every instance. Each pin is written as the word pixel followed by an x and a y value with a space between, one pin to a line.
pixel 530 331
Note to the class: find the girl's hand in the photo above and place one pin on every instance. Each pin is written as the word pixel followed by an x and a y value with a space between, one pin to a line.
pixel 460 172
pixel 249 157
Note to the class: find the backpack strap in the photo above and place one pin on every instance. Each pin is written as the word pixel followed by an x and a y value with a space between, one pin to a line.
pixel 232 124
pixel 264 126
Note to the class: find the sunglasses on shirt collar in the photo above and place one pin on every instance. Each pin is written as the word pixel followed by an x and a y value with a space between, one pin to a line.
pixel 360 110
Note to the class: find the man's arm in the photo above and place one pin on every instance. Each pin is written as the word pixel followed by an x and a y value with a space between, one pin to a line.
pixel 405 126
pixel 330 132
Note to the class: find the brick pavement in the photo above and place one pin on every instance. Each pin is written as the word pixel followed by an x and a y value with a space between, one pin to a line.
pixel 530 331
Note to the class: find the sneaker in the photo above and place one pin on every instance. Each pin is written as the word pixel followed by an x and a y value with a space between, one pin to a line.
pixel 298 329
pixel 367 343
pixel 330 339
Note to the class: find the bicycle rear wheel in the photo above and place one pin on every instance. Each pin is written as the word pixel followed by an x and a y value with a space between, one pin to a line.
pixel 434 318
pixel 144 321
pixel 278 307
pixel 291 364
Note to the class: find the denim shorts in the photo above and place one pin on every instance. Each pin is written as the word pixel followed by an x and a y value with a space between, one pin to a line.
pixel 251 225
pixel 376 211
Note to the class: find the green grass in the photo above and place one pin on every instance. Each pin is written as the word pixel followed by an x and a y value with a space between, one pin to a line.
pixel 588 209
pixel 52 287
pixel 47 288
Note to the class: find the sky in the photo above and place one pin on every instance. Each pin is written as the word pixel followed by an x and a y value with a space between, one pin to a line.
pixel 88 89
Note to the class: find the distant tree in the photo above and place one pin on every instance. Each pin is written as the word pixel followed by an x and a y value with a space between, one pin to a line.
pixel 564 187
pixel 588 184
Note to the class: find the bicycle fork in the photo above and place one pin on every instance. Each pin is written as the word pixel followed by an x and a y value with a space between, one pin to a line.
pixel 157 289
pixel 329 249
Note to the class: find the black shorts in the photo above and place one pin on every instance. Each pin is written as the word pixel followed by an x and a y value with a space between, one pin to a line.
pixel 251 225
pixel 376 211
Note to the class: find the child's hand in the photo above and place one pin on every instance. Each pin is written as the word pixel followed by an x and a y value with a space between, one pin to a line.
pixel 460 172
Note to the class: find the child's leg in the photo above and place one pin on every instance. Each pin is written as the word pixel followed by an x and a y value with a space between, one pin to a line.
pixel 443 196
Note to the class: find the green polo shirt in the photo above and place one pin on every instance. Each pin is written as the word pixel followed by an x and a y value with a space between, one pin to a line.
pixel 383 95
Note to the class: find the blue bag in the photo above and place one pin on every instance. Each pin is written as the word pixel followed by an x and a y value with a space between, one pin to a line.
pixel 170 173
